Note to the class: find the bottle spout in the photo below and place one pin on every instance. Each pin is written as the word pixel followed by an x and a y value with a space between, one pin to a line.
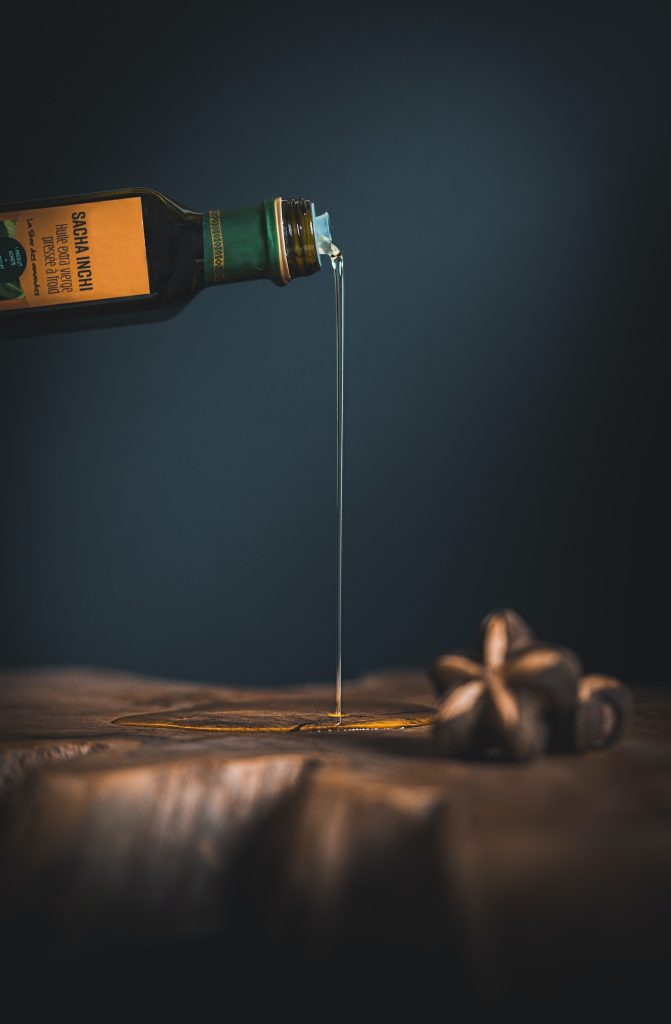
pixel 322 226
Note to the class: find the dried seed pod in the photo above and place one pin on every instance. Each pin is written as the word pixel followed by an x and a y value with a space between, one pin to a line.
pixel 519 633
pixel 553 673
pixel 523 697
pixel 458 719
pixel 451 670
pixel 478 721
pixel 512 633
pixel 603 712
pixel 523 737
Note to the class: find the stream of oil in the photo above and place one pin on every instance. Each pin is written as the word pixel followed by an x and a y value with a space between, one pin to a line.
pixel 339 280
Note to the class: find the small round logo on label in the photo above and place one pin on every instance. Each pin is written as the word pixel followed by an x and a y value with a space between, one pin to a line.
pixel 12 258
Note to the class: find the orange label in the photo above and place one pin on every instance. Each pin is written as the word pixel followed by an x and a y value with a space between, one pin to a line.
pixel 74 253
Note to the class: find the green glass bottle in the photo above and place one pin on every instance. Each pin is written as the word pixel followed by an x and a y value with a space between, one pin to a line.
pixel 112 258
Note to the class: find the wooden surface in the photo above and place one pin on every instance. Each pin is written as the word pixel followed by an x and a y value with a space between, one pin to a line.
pixel 362 844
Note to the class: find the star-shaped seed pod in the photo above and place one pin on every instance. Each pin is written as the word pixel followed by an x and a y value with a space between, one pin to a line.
pixel 479 714
pixel 524 697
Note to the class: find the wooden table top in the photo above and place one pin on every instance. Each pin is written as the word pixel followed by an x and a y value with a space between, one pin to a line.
pixel 118 833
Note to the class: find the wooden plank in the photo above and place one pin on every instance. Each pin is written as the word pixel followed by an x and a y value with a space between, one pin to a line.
pixel 311 841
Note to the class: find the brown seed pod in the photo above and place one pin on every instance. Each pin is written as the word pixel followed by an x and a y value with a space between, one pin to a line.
pixel 519 633
pixel 523 697
pixel 474 722
pixel 458 719
pixel 450 670
pixel 553 673
pixel 479 715
pixel 603 712
pixel 523 737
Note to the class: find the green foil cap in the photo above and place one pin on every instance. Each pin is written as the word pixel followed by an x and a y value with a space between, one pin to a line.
pixel 245 244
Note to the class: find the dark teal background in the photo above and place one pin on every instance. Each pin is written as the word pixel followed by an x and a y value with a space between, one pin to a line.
pixel 497 177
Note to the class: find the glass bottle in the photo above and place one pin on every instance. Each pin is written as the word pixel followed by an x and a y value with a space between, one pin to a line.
pixel 112 258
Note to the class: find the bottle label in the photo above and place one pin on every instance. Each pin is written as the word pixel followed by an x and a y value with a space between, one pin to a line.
pixel 73 253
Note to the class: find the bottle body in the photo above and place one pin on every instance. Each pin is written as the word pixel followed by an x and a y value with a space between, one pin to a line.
pixel 133 255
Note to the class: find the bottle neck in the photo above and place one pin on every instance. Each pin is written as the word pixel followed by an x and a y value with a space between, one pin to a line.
pixel 275 240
